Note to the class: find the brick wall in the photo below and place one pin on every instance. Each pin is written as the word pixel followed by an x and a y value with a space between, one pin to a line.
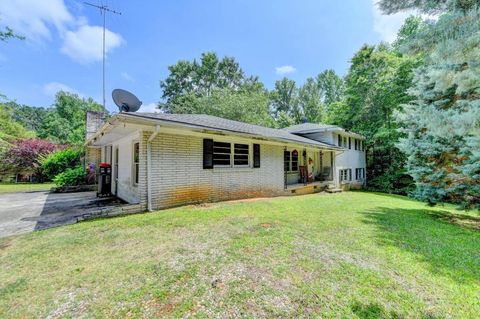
pixel 178 177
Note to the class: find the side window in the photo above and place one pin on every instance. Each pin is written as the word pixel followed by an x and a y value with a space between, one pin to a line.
pixel 286 161
pixel 344 141
pixel 221 153
pixel 240 154
pixel 136 161
pixel 339 140
pixel 350 143
pixel 294 161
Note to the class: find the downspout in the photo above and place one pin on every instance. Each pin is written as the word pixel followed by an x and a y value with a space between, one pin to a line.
pixel 149 167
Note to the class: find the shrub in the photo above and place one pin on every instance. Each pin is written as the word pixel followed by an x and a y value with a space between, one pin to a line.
pixel 58 162
pixel 70 177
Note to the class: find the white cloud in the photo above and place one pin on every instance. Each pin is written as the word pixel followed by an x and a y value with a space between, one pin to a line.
pixel 387 25
pixel 33 18
pixel 127 77
pixel 50 89
pixel 85 44
pixel 285 69
pixel 37 19
pixel 150 108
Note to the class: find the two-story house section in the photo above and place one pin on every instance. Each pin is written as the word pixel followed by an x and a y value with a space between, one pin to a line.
pixel 349 165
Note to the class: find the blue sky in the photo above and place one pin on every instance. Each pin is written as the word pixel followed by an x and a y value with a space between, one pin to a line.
pixel 270 39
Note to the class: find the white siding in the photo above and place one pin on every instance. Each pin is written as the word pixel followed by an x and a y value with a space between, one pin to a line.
pixel 126 188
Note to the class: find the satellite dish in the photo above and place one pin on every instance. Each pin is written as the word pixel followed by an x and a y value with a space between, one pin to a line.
pixel 126 101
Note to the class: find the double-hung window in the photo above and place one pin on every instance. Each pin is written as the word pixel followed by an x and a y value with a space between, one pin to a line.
pixel 345 174
pixel 290 161
pixel 360 174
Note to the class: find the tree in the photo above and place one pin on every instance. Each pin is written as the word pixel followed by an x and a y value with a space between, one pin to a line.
pixel 310 101
pixel 375 87
pixel 10 129
pixel 426 6
pixel 332 86
pixel 8 34
pixel 24 156
pixel 442 123
pixel 284 98
pixel 189 79
pixel 250 107
pixel 65 122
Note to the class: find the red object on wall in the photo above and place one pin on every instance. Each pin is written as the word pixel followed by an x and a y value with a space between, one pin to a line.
pixel 105 165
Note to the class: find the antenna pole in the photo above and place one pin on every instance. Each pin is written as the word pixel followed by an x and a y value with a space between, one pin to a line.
pixel 103 10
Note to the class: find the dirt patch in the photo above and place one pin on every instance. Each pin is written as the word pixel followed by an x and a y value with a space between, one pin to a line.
pixel 460 220
pixel 69 305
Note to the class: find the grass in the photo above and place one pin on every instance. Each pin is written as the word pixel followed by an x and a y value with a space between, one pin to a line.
pixel 24 187
pixel 349 255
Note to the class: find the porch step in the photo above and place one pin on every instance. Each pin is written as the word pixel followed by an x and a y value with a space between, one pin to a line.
pixel 333 190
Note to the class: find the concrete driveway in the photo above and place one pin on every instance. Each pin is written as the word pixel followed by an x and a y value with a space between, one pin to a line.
pixel 26 212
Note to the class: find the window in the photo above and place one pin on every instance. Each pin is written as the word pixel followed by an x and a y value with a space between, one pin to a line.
pixel 345 174
pixel 290 161
pixel 356 144
pixel 224 154
pixel 339 140
pixel 136 162
pixel 294 161
pixel 286 161
pixel 359 174
pixel 221 154
pixel 240 155
pixel 344 141
pixel 350 143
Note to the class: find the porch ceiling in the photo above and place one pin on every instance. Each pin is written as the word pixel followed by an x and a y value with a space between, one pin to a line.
pixel 113 133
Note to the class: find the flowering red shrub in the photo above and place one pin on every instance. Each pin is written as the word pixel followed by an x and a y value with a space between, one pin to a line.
pixel 24 155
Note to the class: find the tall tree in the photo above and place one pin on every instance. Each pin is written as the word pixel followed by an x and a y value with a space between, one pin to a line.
pixel 332 86
pixel 189 79
pixel 284 100
pixel 310 101
pixel 376 86
pixel 65 121
pixel 442 123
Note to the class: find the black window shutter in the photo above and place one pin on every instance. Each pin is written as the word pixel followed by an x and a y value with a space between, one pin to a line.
pixel 256 155
pixel 350 143
pixel 207 153
pixel 339 140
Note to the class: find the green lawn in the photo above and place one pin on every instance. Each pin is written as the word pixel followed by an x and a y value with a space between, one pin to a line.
pixel 24 187
pixel 348 255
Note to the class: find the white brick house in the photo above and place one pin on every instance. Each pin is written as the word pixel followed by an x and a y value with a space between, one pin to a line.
pixel 163 160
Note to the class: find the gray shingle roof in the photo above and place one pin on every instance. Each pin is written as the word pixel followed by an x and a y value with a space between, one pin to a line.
pixel 305 127
pixel 213 122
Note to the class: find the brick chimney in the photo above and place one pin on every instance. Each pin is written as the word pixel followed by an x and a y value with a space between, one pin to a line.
pixel 93 122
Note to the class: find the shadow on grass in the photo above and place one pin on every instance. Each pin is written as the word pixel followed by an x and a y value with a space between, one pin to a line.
pixel 449 249
pixel 376 311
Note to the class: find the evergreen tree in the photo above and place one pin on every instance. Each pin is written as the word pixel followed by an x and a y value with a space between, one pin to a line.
pixel 443 122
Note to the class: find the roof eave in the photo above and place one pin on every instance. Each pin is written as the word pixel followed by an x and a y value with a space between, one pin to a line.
pixel 145 119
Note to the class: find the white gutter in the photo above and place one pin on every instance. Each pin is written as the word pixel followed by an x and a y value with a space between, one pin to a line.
pixel 149 167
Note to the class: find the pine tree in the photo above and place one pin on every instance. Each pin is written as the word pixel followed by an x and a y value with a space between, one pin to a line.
pixel 443 122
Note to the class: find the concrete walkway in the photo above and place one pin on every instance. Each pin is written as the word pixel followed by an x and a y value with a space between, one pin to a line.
pixel 25 212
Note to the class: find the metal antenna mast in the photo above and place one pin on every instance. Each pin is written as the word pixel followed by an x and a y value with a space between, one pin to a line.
pixel 103 10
